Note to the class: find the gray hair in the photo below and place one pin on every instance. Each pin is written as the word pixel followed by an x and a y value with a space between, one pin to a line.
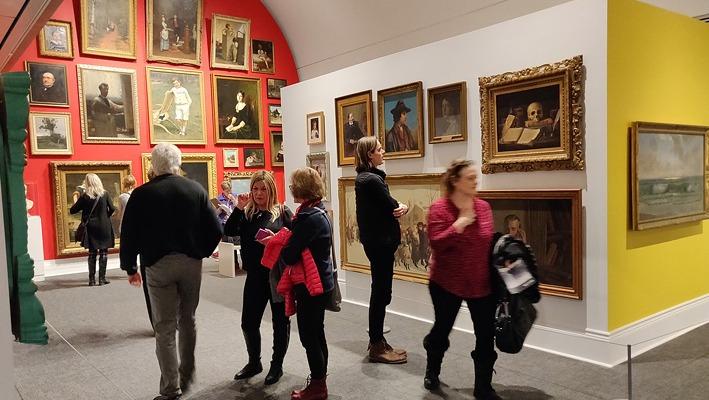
pixel 166 158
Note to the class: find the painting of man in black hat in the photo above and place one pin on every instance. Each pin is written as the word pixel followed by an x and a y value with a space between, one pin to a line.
pixel 399 137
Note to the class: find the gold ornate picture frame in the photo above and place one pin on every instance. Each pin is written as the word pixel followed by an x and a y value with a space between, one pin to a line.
pixel 56 40
pixel 231 42
pixel 226 126
pixel 200 167
pixel 66 178
pixel 532 119
pixel 108 28
pixel 669 174
pixel 353 120
pixel 400 112
pixel 174 31
pixel 50 133
pixel 240 181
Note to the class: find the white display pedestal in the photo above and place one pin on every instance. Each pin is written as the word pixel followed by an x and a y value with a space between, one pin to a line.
pixel 35 245
pixel 226 259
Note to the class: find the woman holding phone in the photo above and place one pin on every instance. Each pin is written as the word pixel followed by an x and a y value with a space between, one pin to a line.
pixel 258 211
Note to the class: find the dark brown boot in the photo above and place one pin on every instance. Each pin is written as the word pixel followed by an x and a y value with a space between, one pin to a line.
pixel 381 352
pixel 315 389
pixel 397 351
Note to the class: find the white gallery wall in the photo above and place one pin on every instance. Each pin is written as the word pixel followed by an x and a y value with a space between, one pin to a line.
pixel 551 35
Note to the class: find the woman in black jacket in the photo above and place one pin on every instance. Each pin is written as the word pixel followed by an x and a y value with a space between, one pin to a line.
pixel 96 209
pixel 312 231
pixel 256 210
pixel 380 234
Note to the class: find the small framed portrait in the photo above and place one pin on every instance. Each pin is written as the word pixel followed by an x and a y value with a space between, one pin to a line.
pixel 315 127
pixel 321 163
pixel 532 119
pixel 176 106
pixel 199 167
pixel 447 113
pixel 353 116
pixel 231 158
pixel 262 57
pixel 237 109
pixel 108 28
pixel 56 40
pixel 669 174
pixel 274 87
pixel 174 31
pixel 275 115
pixel 231 42
pixel 47 84
pixel 277 153
pixel 400 111
pixel 50 133
pixel 240 181
pixel 254 157
pixel 108 100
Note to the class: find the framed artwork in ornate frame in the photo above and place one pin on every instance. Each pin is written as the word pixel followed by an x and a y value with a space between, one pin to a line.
pixel 237 109
pixel 200 167
pixel 277 153
pixel 108 104
pixel 108 28
pixel 240 181
pixel 321 163
pixel 50 133
pixel 447 113
pixel 532 119
pixel 254 157
pixel 401 134
pixel 275 115
pixel 315 128
pixel 176 106
pixel 411 258
pixel 353 120
pixel 550 222
pixel 274 86
pixel 231 42
pixel 56 40
pixel 48 86
pixel 174 31
pixel 263 58
pixel 669 174
pixel 67 178
pixel 231 158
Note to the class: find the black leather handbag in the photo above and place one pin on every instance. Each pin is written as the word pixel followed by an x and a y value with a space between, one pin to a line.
pixel 80 234
pixel 513 320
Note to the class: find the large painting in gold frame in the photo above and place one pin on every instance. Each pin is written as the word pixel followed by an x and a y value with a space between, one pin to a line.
pixel 200 167
pixel 66 177
pixel 532 119
pixel 108 28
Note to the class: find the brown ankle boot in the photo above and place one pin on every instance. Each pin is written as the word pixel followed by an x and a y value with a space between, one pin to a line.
pixel 397 351
pixel 315 389
pixel 381 352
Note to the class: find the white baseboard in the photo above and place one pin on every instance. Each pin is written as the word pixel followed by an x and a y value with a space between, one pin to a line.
pixel 597 347
pixel 67 266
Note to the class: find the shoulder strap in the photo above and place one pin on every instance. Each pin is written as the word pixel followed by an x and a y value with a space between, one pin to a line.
pixel 93 208
pixel 332 243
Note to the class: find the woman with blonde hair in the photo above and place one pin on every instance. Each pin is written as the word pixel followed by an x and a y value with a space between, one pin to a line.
pixel 259 210
pixel 96 210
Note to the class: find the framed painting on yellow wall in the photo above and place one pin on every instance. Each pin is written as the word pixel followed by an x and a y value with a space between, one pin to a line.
pixel 532 119
pixel 108 28
pixel 668 174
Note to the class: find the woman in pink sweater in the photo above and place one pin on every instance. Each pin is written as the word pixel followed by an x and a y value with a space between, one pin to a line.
pixel 460 232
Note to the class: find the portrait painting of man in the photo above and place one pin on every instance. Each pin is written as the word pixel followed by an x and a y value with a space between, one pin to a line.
pixel 174 30
pixel 108 104
pixel 401 120
pixel 231 42
pixel 47 84
pixel 353 115
pixel 447 121
pixel 108 27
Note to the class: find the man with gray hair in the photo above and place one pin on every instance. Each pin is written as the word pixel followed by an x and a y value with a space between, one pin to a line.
pixel 171 225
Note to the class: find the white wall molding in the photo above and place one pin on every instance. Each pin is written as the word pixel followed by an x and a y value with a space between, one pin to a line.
pixel 74 265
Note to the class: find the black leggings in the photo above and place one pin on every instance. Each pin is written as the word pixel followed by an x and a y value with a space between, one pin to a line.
pixel 311 329
pixel 381 259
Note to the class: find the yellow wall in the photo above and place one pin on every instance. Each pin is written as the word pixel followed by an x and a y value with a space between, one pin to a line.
pixel 658 71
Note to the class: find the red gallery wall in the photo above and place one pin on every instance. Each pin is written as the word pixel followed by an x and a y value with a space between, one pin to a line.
pixel 37 173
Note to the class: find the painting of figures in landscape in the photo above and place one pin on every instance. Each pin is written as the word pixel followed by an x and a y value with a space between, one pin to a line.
pixel 108 27
pixel 174 31
pixel 50 133
pixel 411 258
pixel 669 174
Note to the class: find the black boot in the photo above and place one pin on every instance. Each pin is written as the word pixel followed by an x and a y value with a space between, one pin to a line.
pixel 253 347
pixel 281 337
pixel 483 376
pixel 102 262
pixel 92 268
pixel 434 358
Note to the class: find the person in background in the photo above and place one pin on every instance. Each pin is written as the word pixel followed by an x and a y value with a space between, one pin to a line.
pixel 259 209
pixel 96 209
pixel 513 227
pixel 380 234
pixel 311 230
pixel 127 186
pixel 460 229
pixel 171 225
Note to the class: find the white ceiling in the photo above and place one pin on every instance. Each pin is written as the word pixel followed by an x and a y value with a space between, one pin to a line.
pixel 328 35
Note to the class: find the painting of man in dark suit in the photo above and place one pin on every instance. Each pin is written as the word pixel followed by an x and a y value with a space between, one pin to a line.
pixel 103 111
pixel 48 84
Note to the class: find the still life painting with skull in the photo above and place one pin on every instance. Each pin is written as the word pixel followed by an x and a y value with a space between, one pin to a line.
pixel 529 119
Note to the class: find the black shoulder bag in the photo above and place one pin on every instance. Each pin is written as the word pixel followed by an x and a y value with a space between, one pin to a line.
pixel 81 229
pixel 334 302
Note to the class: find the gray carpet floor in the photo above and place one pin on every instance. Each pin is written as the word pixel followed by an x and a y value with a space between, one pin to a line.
pixel 100 347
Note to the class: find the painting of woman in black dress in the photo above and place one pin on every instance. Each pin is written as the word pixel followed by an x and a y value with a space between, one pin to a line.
pixel 237 110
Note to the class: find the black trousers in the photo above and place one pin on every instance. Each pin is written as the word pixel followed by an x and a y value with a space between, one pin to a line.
pixel 446 306
pixel 381 260
pixel 257 293
pixel 147 295
pixel 311 329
